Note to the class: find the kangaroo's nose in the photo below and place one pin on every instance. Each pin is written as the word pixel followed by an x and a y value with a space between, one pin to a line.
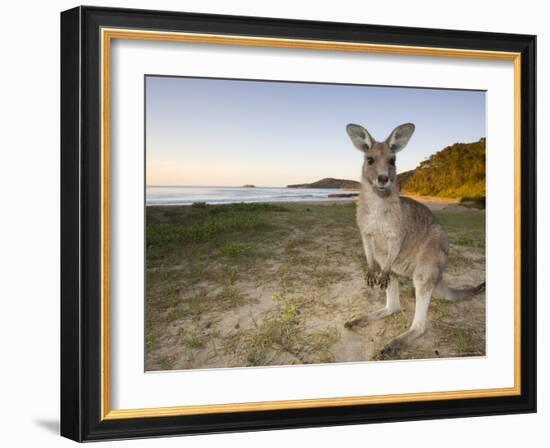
pixel 383 179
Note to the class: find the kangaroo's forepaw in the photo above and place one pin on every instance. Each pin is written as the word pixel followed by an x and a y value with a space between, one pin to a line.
pixel 372 278
pixel 383 280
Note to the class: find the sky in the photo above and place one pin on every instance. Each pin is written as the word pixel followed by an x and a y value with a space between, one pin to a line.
pixel 216 132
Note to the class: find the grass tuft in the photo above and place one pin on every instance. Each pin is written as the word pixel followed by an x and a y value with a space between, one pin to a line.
pixel 234 250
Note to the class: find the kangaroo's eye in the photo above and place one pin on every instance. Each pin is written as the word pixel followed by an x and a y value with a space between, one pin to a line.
pixel 370 160
pixel 392 161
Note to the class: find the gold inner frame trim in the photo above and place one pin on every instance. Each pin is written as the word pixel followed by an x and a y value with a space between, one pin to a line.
pixel 107 35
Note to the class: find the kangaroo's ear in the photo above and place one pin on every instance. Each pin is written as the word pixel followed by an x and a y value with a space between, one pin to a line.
pixel 400 136
pixel 360 137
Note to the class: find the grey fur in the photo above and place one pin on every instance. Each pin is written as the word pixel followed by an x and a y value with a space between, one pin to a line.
pixel 400 236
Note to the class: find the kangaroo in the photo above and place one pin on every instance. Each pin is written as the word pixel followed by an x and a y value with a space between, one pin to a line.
pixel 400 236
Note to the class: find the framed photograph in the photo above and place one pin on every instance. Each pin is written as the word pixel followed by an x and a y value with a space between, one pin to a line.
pixel 273 223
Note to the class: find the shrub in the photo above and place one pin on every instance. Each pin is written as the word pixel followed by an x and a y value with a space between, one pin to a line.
pixel 473 201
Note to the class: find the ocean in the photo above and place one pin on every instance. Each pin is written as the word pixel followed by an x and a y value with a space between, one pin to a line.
pixel 229 195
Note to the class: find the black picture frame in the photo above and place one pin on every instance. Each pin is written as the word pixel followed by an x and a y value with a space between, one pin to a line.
pixel 81 226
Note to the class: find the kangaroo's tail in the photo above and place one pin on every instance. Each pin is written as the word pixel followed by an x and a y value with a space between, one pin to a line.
pixel 443 291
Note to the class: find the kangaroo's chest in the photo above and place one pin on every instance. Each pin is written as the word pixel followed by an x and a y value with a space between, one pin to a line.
pixel 381 221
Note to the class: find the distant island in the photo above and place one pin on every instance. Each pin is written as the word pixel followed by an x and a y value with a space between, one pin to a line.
pixel 249 186
pixel 330 182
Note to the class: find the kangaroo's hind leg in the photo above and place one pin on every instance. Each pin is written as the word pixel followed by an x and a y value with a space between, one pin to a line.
pixel 392 305
pixel 424 284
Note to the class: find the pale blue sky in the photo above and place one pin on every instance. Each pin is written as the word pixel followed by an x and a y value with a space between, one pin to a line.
pixel 216 132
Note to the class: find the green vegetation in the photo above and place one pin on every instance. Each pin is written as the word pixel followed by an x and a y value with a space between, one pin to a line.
pixel 473 201
pixel 282 330
pixel 454 172
pixel 233 250
pixel 170 228
pixel 465 228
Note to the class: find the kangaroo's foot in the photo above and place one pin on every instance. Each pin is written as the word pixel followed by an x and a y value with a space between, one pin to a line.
pixel 370 316
pixel 395 346
pixel 357 321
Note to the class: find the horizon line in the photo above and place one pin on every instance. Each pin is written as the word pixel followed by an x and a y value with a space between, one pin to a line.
pixel 286 186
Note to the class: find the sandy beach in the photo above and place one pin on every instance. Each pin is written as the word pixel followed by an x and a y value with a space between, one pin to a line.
pixel 272 284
